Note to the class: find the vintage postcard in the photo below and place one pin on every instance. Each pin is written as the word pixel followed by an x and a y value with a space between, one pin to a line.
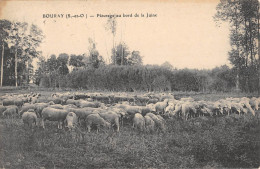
pixel 129 84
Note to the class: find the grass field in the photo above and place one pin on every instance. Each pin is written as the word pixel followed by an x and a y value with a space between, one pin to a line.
pixel 200 142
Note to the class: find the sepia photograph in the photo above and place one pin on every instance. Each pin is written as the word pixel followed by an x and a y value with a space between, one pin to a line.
pixel 129 84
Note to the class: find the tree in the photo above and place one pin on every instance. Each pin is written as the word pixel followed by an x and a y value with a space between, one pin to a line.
pixel 17 34
pixel 135 58
pixel 167 65
pixel 243 16
pixel 94 60
pixel 76 61
pixel 25 43
pixel 5 25
pixel 62 64
pixel 31 43
pixel 111 25
pixel 121 52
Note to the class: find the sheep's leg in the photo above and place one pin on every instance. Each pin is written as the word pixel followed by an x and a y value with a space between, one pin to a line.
pixel 43 126
pixel 88 126
pixel 97 128
pixel 117 127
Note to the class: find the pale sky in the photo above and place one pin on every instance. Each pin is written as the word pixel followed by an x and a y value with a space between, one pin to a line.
pixel 183 34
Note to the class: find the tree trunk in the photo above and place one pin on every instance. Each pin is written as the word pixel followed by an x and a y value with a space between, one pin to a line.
pixel 15 69
pixel 27 73
pixel 251 42
pixel 258 24
pixel 2 64
pixel 114 57
pixel 122 57
pixel 238 67
pixel 237 81
pixel 247 56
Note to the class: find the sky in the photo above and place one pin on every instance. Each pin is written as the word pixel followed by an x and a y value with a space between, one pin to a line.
pixel 182 33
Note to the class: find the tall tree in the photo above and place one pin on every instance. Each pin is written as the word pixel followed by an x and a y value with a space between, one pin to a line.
pixel 94 59
pixel 30 47
pixel 111 25
pixel 242 16
pixel 258 34
pixel 62 62
pixel 5 25
pixel 17 34
pixel 121 52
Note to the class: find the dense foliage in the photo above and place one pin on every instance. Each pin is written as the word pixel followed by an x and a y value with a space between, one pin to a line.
pixel 147 78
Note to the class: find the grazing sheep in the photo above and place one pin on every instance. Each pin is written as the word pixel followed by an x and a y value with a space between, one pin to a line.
pixel 158 123
pixel 112 118
pixel 149 124
pixel 160 106
pixel 2 109
pixel 97 120
pixel 131 110
pixel 82 113
pixel 120 112
pixel 71 120
pixel 39 107
pixel 255 102
pixel 26 108
pixel 187 109
pixel 71 101
pixel 8 102
pixel 161 119
pixel 145 110
pixel 18 102
pixel 29 117
pixel 139 122
pixel 11 111
pixel 53 114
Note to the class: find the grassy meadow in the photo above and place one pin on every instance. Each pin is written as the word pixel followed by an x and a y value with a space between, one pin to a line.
pixel 203 142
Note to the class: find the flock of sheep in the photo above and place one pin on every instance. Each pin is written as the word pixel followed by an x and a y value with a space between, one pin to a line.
pixel 145 112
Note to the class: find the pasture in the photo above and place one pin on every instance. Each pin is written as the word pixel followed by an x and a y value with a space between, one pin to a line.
pixel 214 141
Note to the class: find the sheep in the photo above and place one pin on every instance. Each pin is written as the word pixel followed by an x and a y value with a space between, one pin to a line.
pixel 139 122
pixel 98 120
pixel 71 120
pixel 82 113
pixel 254 102
pixel 149 123
pixel 53 114
pixel 29 118
pixel 111 117
pixel 40 106
pixel 2 109
pixel 160 106
pixel 71 101
pixel 10 112
pixel 159 123
pixel 26 108
pixel 8 102
pixel 187 109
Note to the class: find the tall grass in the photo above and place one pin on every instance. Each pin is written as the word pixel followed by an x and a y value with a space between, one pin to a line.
pixel 200 142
